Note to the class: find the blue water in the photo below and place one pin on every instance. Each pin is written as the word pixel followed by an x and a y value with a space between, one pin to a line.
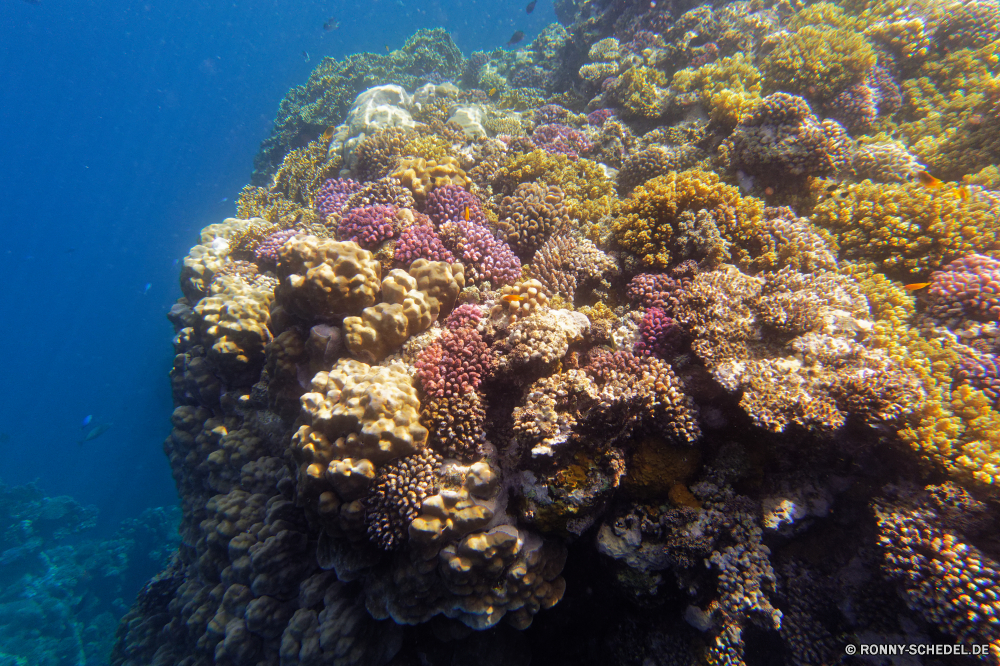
pixel 129 126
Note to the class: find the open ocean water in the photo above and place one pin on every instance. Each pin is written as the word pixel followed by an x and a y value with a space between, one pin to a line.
pixel 699 363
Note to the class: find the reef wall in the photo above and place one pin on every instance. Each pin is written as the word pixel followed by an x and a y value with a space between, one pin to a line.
pixel 669 338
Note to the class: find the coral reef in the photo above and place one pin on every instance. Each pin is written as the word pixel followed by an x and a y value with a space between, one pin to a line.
pixel 652 326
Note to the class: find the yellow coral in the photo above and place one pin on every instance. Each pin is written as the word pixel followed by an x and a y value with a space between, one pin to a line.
pixel 642 92
pixel 907 229
pixel 647 222
pixel 951 110
pixel 818 62
pixel 728 88
pixel 589 193
pixel 429 147
pixel 953 428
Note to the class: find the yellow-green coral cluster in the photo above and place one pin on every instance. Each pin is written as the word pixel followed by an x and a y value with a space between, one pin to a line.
pixel 727 88
pixel 818 62
pixel 641 92
pixel 950 111
pixel 589 193
pixel 955 428
pixel 647 223
pixel 907 229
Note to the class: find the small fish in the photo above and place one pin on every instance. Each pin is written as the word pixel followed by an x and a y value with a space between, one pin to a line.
pixel 531 6
pixel 331 24
pixel 465 214
pixel 223 199
pixel 387 49
pixel 512 298
pixel 961 192
pixel 928 181
pixel 305 56
pixel 916 286
pixel 86 420
pixel 145 290
pixel 95 432
pixel 492 92
pixel 515 38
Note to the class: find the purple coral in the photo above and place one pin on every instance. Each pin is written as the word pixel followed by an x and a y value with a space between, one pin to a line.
pixel 484 256
pixel 967 288
pixel 600 116
pixel 334 193
pixel 982 371
pixel 859 105
pixel 647 290
pixel 561 140
pixel 267 251
pixel 454 364
pixel 420 241
pixel 659 335
pixel 465 315
pixel 368 226
pixel 448 202
pixel 550 113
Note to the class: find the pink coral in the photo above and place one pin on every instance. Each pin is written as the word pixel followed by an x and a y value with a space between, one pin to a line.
pixel 464 316
pixel 659 335
pixel 420 241
pixel 448 202
pixel 368 226
pixel 485 257
pixel 453 365
pixel 334 193
pixel 967 288
pixel 561 140
pixel 267 251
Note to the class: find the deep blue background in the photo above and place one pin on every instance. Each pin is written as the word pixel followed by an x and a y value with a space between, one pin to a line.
pixel 127 127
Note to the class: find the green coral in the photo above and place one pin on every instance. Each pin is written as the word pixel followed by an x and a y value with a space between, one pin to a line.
pixel 952 112
pixel 641 92
pixel 818 62
pixel 907 230
pixel 727 88
pixel 589 193
pixel 662 219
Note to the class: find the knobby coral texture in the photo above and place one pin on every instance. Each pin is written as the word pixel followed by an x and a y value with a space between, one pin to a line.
pixel 668 336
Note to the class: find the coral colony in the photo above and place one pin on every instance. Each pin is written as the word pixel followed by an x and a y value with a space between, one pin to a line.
pixel 671 342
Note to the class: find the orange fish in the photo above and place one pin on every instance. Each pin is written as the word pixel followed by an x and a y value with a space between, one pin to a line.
pixel 328 133
pixel 928 181
pixel 465 214
pixel 512 298
pixel 961 192
pixel 916 286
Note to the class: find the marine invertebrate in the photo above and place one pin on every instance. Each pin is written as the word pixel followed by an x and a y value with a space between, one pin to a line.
pixel 561 139
pixel 659 335
pixel 654 220
pixel 420 241
pixel 530 215
pixel 398 490
pixel 421 176
pixel 368 226
pixel 906 229
pixel 450 202
pixel 945 578
pixel 486 257
pixel 638 167
pixel 326 279
pixel 454 364
pixel 818 62
pixel 727 88
pixel 378 154
pixel 782 139
pixel 570 266
pixel 333 194
pixel 641 92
